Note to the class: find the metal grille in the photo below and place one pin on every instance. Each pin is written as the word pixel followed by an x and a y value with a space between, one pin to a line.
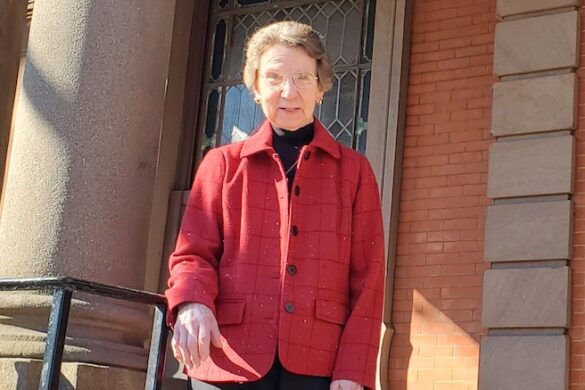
pixel 347 26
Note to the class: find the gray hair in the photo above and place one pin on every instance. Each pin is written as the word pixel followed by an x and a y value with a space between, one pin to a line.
pixel 290 34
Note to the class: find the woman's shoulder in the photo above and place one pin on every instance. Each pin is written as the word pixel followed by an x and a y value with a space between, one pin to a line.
pixel 229 151
pixel 352 157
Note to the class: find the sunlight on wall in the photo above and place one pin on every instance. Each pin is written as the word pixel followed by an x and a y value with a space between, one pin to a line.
pixel 444 356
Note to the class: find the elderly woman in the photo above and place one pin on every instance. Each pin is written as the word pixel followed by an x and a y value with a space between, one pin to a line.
pixel 277 278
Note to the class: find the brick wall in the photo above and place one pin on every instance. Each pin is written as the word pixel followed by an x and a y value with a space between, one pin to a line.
pixel 577 330
pixel 439 271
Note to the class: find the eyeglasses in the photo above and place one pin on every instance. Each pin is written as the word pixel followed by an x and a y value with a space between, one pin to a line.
pixel 300 79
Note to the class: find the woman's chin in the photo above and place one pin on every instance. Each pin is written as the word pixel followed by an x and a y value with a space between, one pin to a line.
pixel 291 124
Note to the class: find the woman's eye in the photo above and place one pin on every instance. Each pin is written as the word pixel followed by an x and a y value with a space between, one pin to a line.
pixel 273 76
pixel 303 76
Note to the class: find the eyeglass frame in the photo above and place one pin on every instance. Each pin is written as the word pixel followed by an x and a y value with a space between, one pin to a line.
pixel 291 76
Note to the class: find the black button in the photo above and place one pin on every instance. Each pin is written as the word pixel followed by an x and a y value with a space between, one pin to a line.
pixel 292 269
pixel 297 190
pixel 294 230
pixel 307 155
pixel 289 307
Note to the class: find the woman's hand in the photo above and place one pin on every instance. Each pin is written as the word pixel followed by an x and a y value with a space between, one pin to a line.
pixel 195 327
pixel 344 384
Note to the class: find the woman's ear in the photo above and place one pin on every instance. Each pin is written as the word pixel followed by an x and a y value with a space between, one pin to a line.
pixel 255 93
pixel 256 97
pixel 320 97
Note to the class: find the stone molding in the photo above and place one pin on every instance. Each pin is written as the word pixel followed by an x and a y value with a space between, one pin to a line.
pixel 506 8
pixel 526 298
pixel 536 44
pixel 528 231
pixel 523 363
pixel 534 105
pixel 531 167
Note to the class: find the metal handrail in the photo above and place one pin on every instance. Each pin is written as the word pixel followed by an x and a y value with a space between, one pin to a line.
pixel 63 288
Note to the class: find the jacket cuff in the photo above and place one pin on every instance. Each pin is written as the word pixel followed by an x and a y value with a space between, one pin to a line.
pixel 187 292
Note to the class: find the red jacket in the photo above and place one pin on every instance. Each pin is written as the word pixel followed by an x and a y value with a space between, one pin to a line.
pixel 306 276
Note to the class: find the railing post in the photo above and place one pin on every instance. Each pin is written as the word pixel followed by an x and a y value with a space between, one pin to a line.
pixel 56 331
pixel 158 343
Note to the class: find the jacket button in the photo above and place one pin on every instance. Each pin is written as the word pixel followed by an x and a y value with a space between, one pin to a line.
pixel 294 230
pixel 307 155
pixel 289 307
pixel 292 269
pixel 297 190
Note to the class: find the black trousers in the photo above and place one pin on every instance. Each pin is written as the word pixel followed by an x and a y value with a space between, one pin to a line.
pixel 278 378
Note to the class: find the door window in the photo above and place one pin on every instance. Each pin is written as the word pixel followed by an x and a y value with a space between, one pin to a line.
pixel 229 112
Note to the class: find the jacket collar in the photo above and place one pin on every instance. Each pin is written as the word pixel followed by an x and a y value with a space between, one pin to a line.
pixel 261 140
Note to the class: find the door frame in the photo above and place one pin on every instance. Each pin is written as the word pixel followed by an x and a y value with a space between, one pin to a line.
pixel 385 143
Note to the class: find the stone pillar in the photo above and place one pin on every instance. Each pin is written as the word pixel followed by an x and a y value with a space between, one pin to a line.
pixel 526 293
pixel 83 158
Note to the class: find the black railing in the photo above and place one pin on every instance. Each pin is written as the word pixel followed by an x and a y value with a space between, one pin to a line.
pixel 63 288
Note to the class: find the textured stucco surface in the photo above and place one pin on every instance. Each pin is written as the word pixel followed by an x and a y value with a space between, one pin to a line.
pixel 84 151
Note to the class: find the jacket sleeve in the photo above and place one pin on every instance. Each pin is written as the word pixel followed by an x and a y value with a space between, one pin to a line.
pixel 193 264
pixel 358 350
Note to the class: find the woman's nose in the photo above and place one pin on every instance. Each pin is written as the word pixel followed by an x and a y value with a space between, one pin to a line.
pixel 288 88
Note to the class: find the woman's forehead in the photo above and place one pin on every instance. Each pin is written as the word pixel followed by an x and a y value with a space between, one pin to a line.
pixel 287 57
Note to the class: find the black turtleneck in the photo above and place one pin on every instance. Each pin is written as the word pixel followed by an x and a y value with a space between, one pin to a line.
pixel 288 145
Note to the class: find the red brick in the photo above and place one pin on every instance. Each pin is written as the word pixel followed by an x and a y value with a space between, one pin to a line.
pixel 438 280
pixel 441 192
pixel 471 51
pixel 423 68
pixel 427 226
pixel 443 236
pixel 441 14
pixel 456 63
pixel 461 21
pixel 457 224
pixel 462 212
pixel 432 160
pixel 439 55
pixel 443 258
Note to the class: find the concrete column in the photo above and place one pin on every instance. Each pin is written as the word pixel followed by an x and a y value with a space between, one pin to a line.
pixel 79 187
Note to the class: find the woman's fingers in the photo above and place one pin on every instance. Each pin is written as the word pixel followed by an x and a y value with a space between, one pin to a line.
pixel 182 347
pixel 215 335
pixel 192 346
pixel 203 340
pixel 344 384
pixel 334 385
pixel 175 347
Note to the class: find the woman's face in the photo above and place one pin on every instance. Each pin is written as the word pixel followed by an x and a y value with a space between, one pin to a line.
pixel 284 104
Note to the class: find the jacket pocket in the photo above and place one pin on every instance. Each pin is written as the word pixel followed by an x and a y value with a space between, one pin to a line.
pixel 230 312
pixel 331 311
